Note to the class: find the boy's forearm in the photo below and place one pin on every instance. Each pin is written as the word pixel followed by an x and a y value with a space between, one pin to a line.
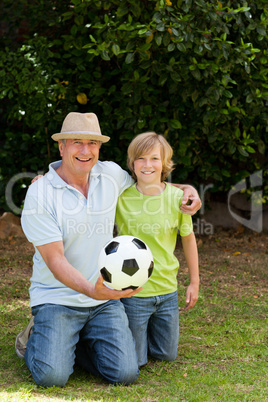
pixel 191 256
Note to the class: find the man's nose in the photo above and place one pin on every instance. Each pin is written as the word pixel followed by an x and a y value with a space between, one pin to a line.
pixel 86 149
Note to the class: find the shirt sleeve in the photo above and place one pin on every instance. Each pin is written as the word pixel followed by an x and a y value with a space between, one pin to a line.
pixel 123 178
pixel 185 225
pixel 38 221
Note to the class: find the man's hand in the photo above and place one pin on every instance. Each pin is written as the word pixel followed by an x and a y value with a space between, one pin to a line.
pixel 191 202
pixel 102 292
pixel 63 271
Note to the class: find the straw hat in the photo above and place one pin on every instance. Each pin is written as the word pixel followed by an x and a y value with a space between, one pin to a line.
pixel 80 126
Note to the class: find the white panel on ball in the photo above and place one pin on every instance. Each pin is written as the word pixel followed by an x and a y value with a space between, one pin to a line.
pixel 125 262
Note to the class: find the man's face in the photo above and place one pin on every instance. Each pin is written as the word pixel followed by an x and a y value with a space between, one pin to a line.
pixel 79 156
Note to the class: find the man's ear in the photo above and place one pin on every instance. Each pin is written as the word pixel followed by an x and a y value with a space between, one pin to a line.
pixel 61 145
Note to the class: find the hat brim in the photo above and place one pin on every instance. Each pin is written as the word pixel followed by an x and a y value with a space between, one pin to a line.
pixel 80 136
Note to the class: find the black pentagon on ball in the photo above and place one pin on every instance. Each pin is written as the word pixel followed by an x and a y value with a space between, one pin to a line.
pixel 130 267
pixel 150 270
pixel 131 287
pixel 111 247
pixel 106 275
pixel 139 243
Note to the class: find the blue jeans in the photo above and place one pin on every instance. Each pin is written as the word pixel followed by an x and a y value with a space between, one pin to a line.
pixel 96 338
pixel 154 322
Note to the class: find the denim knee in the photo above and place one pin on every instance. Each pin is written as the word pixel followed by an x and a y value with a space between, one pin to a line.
pixel 168 357
pixel 47 376
pixel 123 375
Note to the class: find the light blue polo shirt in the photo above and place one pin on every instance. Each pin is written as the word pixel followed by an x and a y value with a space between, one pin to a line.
pixel 54 211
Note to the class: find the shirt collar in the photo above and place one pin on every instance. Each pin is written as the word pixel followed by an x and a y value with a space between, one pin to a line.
pixel 58 182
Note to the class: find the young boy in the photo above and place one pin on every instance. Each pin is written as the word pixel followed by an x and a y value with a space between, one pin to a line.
pixel 150 210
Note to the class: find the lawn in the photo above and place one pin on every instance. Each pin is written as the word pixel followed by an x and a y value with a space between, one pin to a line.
pixel 222 355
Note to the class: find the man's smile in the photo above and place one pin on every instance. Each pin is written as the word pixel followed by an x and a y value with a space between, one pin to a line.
pixel 83 159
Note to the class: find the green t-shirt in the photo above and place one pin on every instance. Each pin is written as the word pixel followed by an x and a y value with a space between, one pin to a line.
pixel 155 220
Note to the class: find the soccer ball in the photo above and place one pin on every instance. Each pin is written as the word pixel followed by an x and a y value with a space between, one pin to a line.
pixel 125 262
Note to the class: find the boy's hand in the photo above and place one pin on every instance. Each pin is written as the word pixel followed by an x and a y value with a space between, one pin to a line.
pixel 191 296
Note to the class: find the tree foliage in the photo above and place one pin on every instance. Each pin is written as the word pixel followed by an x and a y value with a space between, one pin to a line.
pixel 195 71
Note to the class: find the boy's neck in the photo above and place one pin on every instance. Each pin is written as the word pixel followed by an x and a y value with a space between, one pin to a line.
pixel 150 189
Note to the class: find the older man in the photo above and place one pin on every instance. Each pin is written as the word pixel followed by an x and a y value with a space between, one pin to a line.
pixel 68 215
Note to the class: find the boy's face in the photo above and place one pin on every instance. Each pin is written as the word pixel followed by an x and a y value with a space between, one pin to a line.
pixel 148 167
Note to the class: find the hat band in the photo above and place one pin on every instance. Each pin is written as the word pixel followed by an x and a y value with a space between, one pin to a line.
pixel 80 132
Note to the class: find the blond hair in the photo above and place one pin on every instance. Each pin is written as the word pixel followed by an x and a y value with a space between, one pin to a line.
pixel 144 143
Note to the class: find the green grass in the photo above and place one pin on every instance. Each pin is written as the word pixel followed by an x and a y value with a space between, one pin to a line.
pixel 222 353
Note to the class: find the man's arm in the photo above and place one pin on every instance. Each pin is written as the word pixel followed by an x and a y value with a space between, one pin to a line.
pixel 191 256
pixel 191 202
pixel 63 271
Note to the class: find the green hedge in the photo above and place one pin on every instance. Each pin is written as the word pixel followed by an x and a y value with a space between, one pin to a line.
pixel 195 71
